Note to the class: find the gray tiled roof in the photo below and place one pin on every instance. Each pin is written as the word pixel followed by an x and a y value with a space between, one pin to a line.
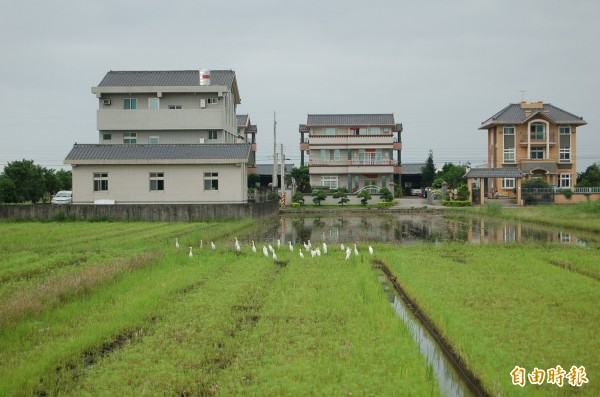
pixel 494 173
pixel 242 120
pixel 514 114
pixel 230 152
pixel 412 168
pixel 165 78
pixel 350 119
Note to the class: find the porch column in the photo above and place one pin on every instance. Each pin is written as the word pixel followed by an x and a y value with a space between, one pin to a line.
pixel 470 186
pixel 481 191
pixel 519 180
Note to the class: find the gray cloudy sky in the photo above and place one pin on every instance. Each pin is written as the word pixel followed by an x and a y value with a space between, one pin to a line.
pixel 442 67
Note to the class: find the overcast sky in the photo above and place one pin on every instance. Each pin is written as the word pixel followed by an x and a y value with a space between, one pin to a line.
pixel 442 67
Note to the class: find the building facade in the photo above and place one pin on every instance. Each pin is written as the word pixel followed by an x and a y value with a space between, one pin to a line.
pixel 164 137
pixel 355 151
pixel 247 133
pixel 536 138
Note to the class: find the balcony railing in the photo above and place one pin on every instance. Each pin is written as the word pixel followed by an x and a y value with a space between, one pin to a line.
pixel 350 139
pixel 537 138
pixel 348 163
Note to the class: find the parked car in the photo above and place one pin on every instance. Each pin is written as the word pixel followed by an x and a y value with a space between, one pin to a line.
pixel 415 192
pixel 63 197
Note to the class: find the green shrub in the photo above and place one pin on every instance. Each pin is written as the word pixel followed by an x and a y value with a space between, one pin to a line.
pixel 456 203
pixel 364 197
pixel 295 204
pixel 568 193
pixel 385 194
pixel 273 195
pixel 386 204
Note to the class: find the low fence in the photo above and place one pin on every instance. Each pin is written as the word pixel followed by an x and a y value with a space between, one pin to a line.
pixel 560 196
pixel 138 212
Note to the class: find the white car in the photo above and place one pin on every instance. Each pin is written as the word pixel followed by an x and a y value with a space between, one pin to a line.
pixel 415 192
pixel 63 197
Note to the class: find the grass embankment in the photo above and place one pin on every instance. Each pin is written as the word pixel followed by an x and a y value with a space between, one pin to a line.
pixel 507 305
pixel 214 323
pixel 582 216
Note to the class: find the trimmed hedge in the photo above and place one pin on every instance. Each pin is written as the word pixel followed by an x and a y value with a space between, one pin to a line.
pixel 385 204
pixel 456 203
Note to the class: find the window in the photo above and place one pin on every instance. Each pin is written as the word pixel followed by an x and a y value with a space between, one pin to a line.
pixel 153 140
pixel 330 181
pixel 172 107
pixel 330 131
pixel 375 130
pixel 100 181
pixel 157 181
pixel 386 130
pixel 564 180
pixel 211 181
pixel 537 153
pixel 130 137
pixel 212 134
pixel 564 155
pixel 509 130
pixel 537 131
pixel 213 100
pixel 153 104
pixel 130 103
pixel 509 155
pixel 106 137
pixel 508 183
pixel 564 130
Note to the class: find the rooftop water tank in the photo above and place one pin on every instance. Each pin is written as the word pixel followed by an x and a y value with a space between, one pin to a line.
pixel 204 77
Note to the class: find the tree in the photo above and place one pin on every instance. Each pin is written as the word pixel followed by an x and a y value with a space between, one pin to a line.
pixel 319 195
pixel 386 194
pixel 590 177
pixel 342 194
pixel 302 178
pixel 428 171
pixel 298 197
pixel 28 182
pixel 364 196
pixel 253 179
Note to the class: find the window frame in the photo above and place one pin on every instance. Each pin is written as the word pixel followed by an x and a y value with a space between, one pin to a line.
pixel 151 101
pixel 506 128
pixel 212 100
pixel 507 159
pixel 155 138
pixel 508 183
pixel 106 136
pixel 100 181
pixel 562 128
pixel 331 181
pixel 212 133
pixel 157 181
pixel 564 155
pixel 535 135
pixel 565 177
pixel 130 138
pixel 130 103
pixel 211 181
pixel 175 107
pixel 537 149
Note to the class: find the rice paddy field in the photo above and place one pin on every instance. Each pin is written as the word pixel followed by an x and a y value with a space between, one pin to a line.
pixel 116 309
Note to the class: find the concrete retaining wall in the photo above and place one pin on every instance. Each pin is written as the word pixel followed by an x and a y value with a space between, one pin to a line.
pixel 560 198
pixel 139 212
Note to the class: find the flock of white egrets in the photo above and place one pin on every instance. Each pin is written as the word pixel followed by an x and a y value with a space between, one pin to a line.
pixel 270 251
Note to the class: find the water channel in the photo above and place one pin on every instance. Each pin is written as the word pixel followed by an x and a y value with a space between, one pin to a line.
pixel 414 229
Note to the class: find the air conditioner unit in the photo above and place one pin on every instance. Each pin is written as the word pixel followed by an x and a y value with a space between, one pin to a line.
pixel 202 103
pixel 106 102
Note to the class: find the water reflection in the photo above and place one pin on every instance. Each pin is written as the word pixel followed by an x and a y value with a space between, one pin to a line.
pixel 410 229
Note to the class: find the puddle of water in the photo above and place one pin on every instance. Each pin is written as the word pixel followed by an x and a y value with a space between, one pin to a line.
pixel 408 229
pixel 449 379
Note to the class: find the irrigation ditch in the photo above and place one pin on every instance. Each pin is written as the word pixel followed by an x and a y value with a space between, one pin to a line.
pixel 454 378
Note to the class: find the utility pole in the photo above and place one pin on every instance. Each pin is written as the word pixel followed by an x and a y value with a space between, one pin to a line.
pixel 274 152
pixel 282 167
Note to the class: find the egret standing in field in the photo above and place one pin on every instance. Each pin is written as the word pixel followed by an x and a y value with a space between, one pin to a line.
pixel 355 250
pixel 265 251
pixel 348 252
pixel 190 253
pixel 301 254
pixel 213 246
pixel 278 243
pixel 238 248
pixel 176 243
pixel 253 247
pixel 342 246
pixel 370 250
pixel 325 248
pixel 318 251
pixel 291 246
pixel 274 256
pixel 201 242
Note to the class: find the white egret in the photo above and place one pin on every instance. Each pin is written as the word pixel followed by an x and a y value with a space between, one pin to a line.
pixel 342 246
pixel 274 256
pixel 278 243
pixel 201 242
pixel 213 246
pixel 301 254
pixel 265 251
pixel 238 248
pixel 271 248
pixel 176 243
pixel 318 251
pixel 324 248
pixel 313 253
pixel 370 250
pixel 291 246
pixel 253 247
pixel 355 250
pixel 306 247
pixel 190 254
pixel 309 244
pixel 348 252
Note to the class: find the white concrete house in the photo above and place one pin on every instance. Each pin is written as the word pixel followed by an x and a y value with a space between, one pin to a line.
pixel 164 137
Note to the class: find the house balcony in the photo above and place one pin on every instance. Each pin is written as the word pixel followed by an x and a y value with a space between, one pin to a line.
pixel 156 120
pixel 366 166
pixel 351 140
pixel 538 140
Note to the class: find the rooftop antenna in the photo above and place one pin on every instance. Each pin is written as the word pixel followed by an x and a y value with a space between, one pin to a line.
pixel 522 94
